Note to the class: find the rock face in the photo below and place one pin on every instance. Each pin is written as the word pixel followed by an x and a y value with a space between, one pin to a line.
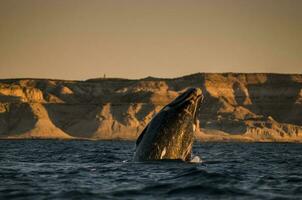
pixel 245 107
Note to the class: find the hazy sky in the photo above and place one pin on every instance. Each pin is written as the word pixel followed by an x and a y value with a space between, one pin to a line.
pixel 80 39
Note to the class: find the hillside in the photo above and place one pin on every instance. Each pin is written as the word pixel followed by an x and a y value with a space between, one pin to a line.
pixel 237 106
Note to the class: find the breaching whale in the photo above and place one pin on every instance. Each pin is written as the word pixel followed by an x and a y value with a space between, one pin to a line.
pixel 170 134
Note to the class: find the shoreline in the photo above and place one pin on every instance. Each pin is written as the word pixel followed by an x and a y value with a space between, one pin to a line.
pixel 127 140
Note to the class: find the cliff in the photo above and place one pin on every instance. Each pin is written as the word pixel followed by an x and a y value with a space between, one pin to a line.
pixel 237 106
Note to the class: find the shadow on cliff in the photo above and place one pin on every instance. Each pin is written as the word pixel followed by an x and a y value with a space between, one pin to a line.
pixel 210 117
pixel 9 99
pixel 20 119
pixel 77 120
pixel 276 98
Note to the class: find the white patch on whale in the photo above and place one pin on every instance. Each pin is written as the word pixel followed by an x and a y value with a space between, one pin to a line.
pixel 181 134
pixel 163 153
pixel 198 91
pixel 167 108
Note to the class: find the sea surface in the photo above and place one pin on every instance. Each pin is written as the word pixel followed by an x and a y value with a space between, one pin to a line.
pixel 50 169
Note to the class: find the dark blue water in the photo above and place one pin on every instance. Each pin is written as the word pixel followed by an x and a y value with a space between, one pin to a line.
pixel 48 169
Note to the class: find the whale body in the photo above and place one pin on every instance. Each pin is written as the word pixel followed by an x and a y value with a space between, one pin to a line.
pixel 170 133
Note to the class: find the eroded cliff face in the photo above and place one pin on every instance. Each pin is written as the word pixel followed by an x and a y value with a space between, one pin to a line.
pixel 248 107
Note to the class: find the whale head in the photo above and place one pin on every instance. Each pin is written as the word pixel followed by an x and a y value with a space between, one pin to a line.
pixel 170 134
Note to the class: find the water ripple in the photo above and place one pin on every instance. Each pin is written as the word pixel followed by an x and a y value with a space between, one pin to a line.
pixel 47 169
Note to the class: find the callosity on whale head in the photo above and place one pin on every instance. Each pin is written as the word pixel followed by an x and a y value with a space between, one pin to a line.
pixel 170 134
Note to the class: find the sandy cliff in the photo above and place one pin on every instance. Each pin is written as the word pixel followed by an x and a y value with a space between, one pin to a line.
pixel 249 107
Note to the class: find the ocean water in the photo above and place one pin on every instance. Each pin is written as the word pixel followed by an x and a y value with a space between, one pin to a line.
pixel 50 169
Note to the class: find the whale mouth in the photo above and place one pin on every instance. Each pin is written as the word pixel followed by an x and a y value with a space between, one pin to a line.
pixel 189 101
pixel 197 106
pixel 192 96
pixel 195 99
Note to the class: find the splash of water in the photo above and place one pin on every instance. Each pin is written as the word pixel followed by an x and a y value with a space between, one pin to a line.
pixel 196 159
